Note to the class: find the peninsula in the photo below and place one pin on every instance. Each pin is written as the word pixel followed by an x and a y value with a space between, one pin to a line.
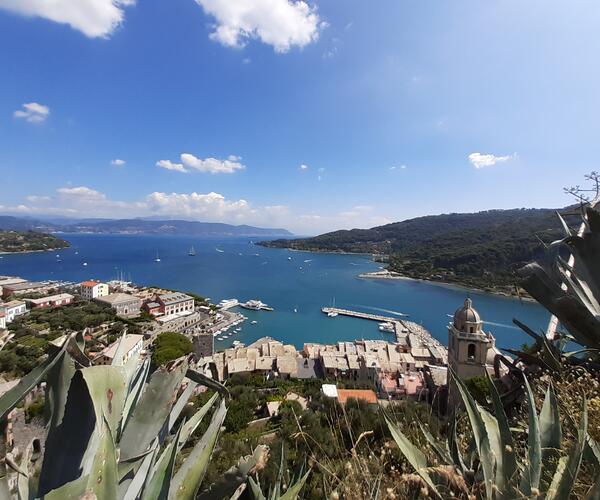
pixel 477 250
pixel 29 241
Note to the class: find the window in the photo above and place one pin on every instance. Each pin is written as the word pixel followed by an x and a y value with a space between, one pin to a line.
pixel 471 351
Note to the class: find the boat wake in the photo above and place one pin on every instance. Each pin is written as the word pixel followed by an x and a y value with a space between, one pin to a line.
pixel 389 311
pixel 502 325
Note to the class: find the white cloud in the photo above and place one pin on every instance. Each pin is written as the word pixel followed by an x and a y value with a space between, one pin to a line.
pixel 117 162
pixel 32 112
pixel 280 23
pixel 190 163
pixel 303 168
pixel 94 18
pixel 83 201
pixel 479 160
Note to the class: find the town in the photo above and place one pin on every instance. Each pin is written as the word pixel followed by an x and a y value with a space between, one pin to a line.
pixel 413 366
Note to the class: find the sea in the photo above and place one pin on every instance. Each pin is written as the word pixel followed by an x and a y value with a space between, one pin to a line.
pixel 296 284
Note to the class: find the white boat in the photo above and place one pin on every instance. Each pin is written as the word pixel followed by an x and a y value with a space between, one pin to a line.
pixel 295 309
pixel 192 252
pixel 256 305
pixel 387 327
pixel 238 330
pixel 289 258
pixel 332 314
pixel 220 338
pixel 254 322
pixel 157 259
pixel 236 342
pixel 219 250
pixel 85 263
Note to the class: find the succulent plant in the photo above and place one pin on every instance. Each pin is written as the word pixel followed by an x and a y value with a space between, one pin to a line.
pixel 494 466
pixel 115 432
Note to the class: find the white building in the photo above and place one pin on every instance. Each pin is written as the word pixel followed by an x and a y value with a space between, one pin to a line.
pixel 93 289
pixel 13 309
pixel 175 303
pixel 132 345
pixel 2 321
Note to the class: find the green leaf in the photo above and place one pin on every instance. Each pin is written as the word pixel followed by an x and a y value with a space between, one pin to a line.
pixel 152 411
pixel 566 472
pixel 23 480
pixel 202 379
pixel 486 457
pixel 294 490
pixel 550 433
pixel 506 462
pixel 438 448
pixel 157 485
pixel 58 381
pixel 190 426
pixel 14 396
pixel 414 455
pixel 188 478
pixel 230 481
pixel 533 468
pixel 136 388
pixel 131 485
pixel 103 477
pixel 181 402
pixel 73 490
pixel 256 490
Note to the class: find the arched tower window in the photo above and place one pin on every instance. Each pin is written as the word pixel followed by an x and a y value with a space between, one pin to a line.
pixel 471 351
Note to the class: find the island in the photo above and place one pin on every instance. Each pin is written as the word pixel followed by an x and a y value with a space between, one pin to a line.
pixel 480 250
pixel 29 241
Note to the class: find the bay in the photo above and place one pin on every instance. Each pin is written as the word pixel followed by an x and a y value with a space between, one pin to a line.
pixel 236 268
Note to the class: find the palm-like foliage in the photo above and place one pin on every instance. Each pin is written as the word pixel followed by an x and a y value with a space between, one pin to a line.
pixel 115 432
pixel 494 468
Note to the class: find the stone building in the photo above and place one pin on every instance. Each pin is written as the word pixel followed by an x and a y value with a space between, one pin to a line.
pixel 203 344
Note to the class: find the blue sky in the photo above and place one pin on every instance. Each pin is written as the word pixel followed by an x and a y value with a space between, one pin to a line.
pixel 394 108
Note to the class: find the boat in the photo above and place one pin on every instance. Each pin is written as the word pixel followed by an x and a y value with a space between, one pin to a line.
pixel 238 330
pixel 220 338
pixel 253 322
pixel 219 250
pixel 236 342
pixel 192 252
pixel 387 327
pixel 332 314
pixel 157 259
pixel 295 309
pixel 85 263
pixel 256 305
pixel 289 258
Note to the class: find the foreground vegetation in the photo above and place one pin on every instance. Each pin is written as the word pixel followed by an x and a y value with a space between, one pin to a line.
pixel 29 241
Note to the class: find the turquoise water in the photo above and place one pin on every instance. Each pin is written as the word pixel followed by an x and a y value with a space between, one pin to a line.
pixel 245 271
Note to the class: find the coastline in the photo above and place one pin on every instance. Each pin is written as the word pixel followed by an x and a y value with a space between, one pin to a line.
pixel 34 251
pixel 392 276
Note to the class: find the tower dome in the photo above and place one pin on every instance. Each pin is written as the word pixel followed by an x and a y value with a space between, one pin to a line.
pixel 466 318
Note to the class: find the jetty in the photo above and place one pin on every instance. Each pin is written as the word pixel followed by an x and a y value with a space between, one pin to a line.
pixel 358 314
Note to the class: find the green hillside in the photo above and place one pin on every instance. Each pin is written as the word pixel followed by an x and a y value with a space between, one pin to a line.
pixel 29 241
pixel 480 250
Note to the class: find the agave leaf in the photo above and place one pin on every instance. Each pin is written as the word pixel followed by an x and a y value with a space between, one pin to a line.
pixel 190 426
pixel 181 402
pixel 414 455
pixel 256 489
pixel 103 477
pixel 188 478
pixel 550 432
pixel 439 449
pixel 73 490
pixel 136 388
pixel 14 396
pixel 152 411
pixel 202 379
pixel 486 456
pixel 455 453
pixel 565 227
pixel 157 485
pixel 236 476
pixel 23 480
pixel 567 471
pixel 506 462
pixel 58 380
pixel 131 484
pixel 533 468
pixel 294 490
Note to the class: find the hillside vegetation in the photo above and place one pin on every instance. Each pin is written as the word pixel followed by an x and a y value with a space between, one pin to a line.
pixel 480 250
pixel 29 241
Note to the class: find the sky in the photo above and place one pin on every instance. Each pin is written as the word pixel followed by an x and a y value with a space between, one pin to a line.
pixel 309 116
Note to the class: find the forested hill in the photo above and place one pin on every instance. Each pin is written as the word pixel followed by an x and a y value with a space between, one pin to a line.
pixel 29 241
pixel 480 249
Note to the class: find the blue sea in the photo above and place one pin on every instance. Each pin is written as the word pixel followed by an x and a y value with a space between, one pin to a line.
pixel 236 268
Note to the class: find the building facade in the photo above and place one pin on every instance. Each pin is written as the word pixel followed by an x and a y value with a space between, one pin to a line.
pixel 175 303
pixel 90 290
pixel 61 299
pixel 132 346
pixel 13 309
pixel 125 305
pixel 203 344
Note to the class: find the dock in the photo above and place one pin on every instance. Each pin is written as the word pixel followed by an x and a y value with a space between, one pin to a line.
pixel 402 327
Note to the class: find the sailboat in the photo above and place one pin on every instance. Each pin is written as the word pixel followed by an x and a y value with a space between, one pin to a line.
pixel 157 258
pixel 192 252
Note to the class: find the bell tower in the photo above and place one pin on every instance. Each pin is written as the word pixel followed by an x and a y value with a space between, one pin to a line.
pixel 468 346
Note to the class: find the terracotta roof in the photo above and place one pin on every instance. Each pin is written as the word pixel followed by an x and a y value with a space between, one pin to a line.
pixel 90 283
pixel 364 395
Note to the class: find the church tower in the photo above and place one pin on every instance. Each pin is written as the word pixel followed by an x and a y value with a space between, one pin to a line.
pixel 469 347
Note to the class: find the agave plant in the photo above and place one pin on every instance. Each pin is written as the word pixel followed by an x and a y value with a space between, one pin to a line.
pixel 115 432
pixel 570 289
pixel 494 467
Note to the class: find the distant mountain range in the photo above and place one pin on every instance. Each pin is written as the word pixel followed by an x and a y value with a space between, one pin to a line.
pixel 480 250
pixel 137 226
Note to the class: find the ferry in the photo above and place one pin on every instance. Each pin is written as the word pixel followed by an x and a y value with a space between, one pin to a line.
pixel 256 305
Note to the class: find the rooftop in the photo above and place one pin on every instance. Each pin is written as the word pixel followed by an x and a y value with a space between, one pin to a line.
pixel 363 395
pixel 117 298
pixel 174 298
pixel 90 283
pixel 51 298
pixel 129 343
